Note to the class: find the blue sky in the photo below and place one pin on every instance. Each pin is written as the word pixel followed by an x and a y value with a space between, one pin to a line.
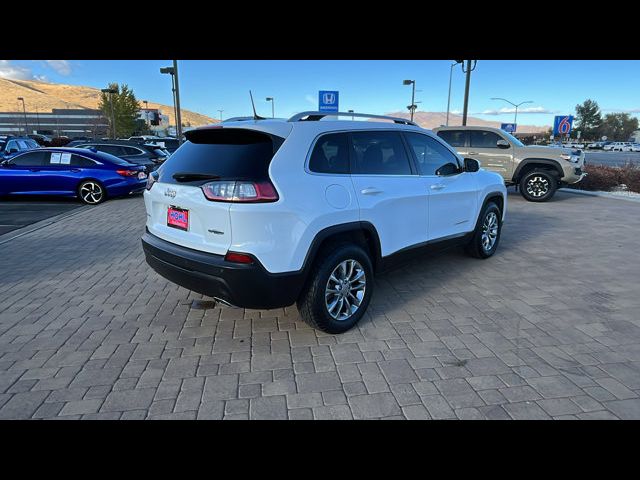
pixel 372 86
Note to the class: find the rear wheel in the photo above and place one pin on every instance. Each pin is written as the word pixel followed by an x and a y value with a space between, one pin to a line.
pixel 339 289
pixel 91 192
pixel 538 185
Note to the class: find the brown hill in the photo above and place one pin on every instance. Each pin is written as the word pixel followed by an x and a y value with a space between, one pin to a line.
pixel 46 96
pixel 432 120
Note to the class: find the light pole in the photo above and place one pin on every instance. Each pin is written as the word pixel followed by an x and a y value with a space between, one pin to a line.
pixel 24 110
pixel 412 107
pixel 173 71
pixel 270 99
pixel 449 97
pixel 350 111
pixel 220 112
pixel 515 119
pixel 467 84
pixel 111 91
pixel 146 112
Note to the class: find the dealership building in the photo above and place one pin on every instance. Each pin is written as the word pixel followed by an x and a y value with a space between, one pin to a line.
pixel 69 122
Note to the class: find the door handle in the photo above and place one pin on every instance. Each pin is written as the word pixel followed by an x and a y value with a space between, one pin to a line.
pixel 473 153
pixel 438 186
pixel 370 191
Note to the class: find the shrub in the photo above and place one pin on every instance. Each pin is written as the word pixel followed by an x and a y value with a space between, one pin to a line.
pixel 601 178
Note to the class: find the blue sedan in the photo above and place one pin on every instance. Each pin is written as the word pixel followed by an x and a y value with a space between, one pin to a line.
pixel 71 172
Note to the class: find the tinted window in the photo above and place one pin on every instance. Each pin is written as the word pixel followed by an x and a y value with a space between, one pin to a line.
pixel 455 138
pixel 380 153
pixel 331 154
pixel 2 145
pixel 131 151
pixel 430 153
pixel 483 139
pixel 106 158
pixel 32 143
pixel 78 161
pixel 111 149
pixel 31 159
pixel 230 153
pixel 12 145
pixel 23 145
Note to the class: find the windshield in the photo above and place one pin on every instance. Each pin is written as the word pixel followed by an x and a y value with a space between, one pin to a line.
pixel 512 139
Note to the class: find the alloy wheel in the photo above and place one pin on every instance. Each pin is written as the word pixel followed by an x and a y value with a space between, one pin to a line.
pixel 91 192
pixel 489 231
pixel 345 290
pixel 537 186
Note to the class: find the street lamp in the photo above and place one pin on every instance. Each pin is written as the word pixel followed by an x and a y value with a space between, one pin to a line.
pixel 24 110
pixel 350 111
pixel 173 71
pixel 220 112
pixel 515 119
pixel 111 91
pixel 412 107
pixel 146 111
pixel 449 97
pixel 270 99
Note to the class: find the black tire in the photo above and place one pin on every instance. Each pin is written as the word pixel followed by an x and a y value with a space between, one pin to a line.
pixel 476 247
pixel 311 303
pixel 538 185
pixel 99 194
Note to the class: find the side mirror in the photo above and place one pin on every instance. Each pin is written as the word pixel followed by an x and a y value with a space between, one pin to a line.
pixel 447 169
pixel 471 165
pixel 502 144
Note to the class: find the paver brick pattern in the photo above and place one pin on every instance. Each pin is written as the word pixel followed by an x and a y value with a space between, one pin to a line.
pixel 547 328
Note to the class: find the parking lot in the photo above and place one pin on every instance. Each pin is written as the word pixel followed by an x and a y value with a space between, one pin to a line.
pixel 547 328
pixel 18 213
pixel 611 159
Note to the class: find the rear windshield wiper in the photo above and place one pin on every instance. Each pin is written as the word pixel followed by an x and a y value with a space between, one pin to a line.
pixel 188 177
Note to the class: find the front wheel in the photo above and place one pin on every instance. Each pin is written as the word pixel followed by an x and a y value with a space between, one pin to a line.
pixel 339 289
pixel 91 192
pixel 538 185
pixel 487 234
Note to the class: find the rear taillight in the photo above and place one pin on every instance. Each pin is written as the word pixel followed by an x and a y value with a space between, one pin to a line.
pixel 127 173
pixel 236 257
pixel 151 179
pixel 240 191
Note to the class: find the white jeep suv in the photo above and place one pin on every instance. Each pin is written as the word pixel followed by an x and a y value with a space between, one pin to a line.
pixel 262 214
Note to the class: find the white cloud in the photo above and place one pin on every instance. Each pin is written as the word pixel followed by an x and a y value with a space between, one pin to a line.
pixel 622 110
pixel 63 67
pixel 14 72
pixel 512 110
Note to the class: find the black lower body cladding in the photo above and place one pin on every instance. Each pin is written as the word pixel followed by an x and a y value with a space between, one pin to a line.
pixel 245 286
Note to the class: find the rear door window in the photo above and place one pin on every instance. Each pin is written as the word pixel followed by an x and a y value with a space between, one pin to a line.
pixel 455 138
pixel 229 153
pixel 380 153
pixel 110 149
pixel 78 161
pixel 331 154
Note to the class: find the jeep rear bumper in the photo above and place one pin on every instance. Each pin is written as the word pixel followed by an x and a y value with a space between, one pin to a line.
pixel 240 285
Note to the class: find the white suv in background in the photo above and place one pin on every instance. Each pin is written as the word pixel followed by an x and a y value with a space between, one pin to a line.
pixel 262 214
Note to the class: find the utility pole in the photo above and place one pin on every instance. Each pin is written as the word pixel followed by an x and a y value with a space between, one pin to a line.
pixel 146 112
pixel 450 77
pixel 466 89
pixel 24 110
pixel 412 107
pixel 270 99
pixel 111 91
pixel 179 116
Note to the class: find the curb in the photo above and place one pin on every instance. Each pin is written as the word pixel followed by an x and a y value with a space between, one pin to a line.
pixel 600 194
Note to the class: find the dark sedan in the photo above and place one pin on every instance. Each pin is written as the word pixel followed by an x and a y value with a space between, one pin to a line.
pixel 147 155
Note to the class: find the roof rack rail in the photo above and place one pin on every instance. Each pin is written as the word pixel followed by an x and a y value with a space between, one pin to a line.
pixel 316 116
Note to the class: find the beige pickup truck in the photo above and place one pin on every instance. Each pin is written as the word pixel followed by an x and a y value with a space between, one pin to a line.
pixel 536 171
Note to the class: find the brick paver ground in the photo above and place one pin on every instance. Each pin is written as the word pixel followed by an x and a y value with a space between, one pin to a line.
pixel 548 328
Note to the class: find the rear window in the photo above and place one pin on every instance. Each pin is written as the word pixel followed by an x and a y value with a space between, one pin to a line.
pixel 331 154
pixel 230 153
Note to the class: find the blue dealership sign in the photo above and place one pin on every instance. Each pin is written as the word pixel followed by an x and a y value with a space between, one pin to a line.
pixel 508 127
pixel 562 125
pixel 328 101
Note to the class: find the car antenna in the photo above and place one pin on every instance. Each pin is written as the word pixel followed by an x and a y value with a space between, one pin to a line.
pixel 255 115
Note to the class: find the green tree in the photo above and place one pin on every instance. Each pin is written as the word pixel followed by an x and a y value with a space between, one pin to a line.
pixel 588 119
pixel 125 109
pixel 618 126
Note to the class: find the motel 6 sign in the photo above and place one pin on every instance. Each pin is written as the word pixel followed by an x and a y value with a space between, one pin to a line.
pixel 562 125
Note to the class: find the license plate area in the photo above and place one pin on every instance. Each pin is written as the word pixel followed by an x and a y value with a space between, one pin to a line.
pixel 178 218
